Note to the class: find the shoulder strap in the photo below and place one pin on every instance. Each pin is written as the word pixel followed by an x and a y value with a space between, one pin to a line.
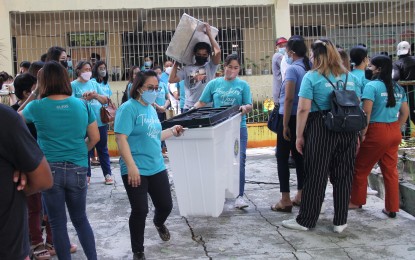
pixel 345 84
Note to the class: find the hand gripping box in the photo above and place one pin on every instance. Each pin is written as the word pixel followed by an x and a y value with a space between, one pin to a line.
pixel 189 31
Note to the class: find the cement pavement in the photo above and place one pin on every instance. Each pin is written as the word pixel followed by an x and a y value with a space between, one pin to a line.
pixel 253 233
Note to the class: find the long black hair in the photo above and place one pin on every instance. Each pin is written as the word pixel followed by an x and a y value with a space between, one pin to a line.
pixel 296 44
pixel 384 64
pixel 95 74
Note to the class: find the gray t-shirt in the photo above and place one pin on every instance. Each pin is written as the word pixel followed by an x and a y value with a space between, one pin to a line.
pixel 195 80
pixel 277 77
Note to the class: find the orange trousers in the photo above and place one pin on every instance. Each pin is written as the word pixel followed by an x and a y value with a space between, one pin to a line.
pixel 380 145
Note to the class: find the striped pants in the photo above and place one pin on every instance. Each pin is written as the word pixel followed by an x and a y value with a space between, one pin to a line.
pixel 326 154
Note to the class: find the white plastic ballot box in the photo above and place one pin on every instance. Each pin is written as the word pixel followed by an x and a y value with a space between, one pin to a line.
pixel 205 165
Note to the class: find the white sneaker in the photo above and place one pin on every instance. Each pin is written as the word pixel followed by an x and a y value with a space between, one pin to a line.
pixel 240 203
pixel 371 192
pixel 339 229
pixel 292 224
pixel 323 208
pixel 108 180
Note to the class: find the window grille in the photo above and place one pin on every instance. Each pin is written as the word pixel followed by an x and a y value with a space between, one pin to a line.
pixel 123 38
pixel 380 25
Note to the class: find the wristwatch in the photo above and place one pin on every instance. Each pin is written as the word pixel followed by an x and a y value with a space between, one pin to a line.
pixel 11 93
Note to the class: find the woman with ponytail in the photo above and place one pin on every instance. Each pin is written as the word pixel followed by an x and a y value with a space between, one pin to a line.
pixel 326 153
pixel 360 60
pixel 385 104
pixel 296 57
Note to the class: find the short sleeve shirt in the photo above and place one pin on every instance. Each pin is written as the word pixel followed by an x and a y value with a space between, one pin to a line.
pixel 227 93
pixel 143 130
pixel 295 73
pixel 18 151
pixel 360 75
pixel 376 91
pixel 316 88
pixel 61 128
pixel 195 79
pixel 161 95
pixel 79 88
pixel 105 87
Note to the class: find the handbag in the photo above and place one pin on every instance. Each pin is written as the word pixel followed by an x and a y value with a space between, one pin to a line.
pixel 274 118
pixel 107 112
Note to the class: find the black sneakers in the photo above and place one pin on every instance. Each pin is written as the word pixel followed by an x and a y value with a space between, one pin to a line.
pixel 163 233
pixel 139 256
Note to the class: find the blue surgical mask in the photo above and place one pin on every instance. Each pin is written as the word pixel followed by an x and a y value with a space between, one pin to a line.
pixel 288 59
pixel 70 64
pixel 149 96
pixel 281 50
pixel 148 63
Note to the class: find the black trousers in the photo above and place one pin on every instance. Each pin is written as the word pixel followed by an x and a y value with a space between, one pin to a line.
pixel 326 154
pixel 159 189
pixel 284 148
pixel 411 103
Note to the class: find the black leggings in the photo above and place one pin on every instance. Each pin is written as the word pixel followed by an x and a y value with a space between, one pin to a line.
pixel 283 152
pixel 158 187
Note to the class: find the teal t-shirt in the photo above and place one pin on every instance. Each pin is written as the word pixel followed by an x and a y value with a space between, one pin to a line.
pixel 143 130
pixel 315 87
pixel 161 96
pixel 79 88
pixel 61 128
pixel 376 91
pixel 180 86
pixel 104 87
pixel 360 75
pixel 227 93
pixel 129 85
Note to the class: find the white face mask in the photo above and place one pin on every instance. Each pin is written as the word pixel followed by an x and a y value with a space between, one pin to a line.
pixel 102 73
pixel 168 70
pixel 86 75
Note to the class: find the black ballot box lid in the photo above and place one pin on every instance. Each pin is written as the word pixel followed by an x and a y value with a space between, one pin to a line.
pixel 202 117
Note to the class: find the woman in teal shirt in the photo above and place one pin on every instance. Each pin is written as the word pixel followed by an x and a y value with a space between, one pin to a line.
pixel 360 60
pixel 86 89
pixel 326 153
pixel 139 135
pixel 61 122
pixel 386 106
pixel 230 90
pixel 100 76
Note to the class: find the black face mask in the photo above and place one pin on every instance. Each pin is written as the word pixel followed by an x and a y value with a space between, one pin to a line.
pixel 64 63
pixel 201 60
pixel 368 74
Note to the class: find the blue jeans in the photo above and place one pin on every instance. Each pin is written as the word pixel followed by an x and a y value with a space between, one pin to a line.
pixel 70 188
pixel 243 142
pixel 102 149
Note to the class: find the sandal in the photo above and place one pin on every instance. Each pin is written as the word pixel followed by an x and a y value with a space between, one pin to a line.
pixel 296 203
pixel 40 252
pixel 279 208
pixel 389 214
pixel 52 251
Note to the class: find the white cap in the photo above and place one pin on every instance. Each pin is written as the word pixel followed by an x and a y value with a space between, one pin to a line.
pixel 403 48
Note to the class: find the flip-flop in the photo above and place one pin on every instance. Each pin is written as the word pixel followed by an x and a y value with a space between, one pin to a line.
pixel 389 214
pixel 40 252
pixel 277 207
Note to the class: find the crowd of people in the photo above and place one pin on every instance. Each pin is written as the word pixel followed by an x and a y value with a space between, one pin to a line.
pixel 60 104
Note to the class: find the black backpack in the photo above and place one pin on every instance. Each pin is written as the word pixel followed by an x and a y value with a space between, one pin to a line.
pixel 345 115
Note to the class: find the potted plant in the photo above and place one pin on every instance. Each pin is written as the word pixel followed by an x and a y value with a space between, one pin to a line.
pixel 265 65
pixel 249 65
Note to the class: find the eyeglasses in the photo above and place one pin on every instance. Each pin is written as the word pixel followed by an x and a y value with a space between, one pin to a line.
pixel 153 88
